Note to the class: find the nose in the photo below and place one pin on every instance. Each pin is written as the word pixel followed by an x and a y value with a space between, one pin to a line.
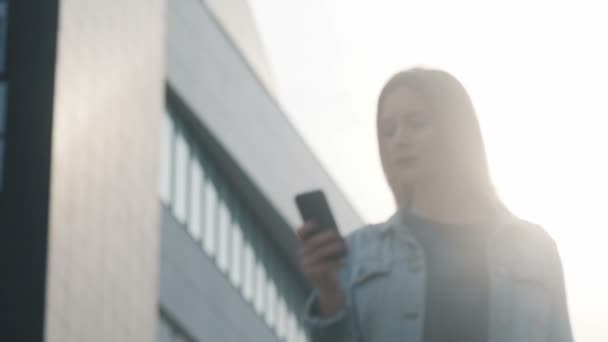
pixel 401 143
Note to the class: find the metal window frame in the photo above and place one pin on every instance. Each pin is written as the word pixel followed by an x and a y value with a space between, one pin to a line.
pixel 266 250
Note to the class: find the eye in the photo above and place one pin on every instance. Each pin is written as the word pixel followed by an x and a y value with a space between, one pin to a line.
pixel 418 121
pixel 388 129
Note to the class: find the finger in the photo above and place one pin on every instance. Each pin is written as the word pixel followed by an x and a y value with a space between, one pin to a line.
pixel 329 264
pixel 311 248
pixel 320 239
pixel 324 268
pixel 328 252
pixel 306 230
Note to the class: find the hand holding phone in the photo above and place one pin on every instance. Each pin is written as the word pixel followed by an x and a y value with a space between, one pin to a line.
pixel 319 222
pixel 321 250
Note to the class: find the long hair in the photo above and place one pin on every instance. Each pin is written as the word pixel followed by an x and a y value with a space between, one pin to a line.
pixel 457 118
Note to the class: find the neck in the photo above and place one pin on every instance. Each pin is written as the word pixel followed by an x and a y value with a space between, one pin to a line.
pixel 451 202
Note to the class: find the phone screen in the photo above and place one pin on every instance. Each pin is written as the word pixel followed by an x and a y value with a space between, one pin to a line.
pixel 313 206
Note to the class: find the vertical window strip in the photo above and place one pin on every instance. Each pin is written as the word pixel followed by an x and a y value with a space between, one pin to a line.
pixel 285 308
pixel 200 198
pixel 187 174
pixel 248 259
pixel 166 155
pixel 211 212
pixel 236 261
pixel 224 227
pixel 261 273
pixel 203 199
pixel 195 207
pixel 243 252
pixel 288 295
pixel 262 278
pixel 292 330
pixel 293 303
pixel 278 281
pixel 271 288
pixel 281 317
pixel 172 161
pixel 181 176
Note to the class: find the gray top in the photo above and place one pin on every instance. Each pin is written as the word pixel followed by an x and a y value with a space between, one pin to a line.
pixel 457 281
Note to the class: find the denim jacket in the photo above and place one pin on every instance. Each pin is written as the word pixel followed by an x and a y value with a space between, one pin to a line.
pixel 384 283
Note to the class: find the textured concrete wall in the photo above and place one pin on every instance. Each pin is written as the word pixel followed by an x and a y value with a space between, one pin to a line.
pixel 237 18
pixel 215 82
pixel 103 261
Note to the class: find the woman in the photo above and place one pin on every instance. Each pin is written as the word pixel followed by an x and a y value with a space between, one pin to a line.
pixel 452 264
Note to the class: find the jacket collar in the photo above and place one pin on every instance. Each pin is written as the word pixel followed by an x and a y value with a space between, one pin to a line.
pixel 396 221
pixel 392 223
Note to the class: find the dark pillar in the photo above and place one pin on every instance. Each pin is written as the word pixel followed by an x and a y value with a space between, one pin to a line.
pixel 24 205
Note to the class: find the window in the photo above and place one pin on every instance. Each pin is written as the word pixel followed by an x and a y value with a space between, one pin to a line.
pixel 180 178
pixel 249 271
pixel 236 269
pixel 280 312
pixel 224 232
pixel 291 327
pixel 166 155
pixel 271 290
pixel 281 328
pixel 294 301
pixel 196 189
pixel 214 214
pixel 211 204
pixel 262 278
pixel 301 335
pixel 261 275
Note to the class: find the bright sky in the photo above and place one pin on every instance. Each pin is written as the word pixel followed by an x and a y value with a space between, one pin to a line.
pixel 537 72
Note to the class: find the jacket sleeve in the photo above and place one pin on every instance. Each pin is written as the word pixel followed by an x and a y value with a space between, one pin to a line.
pixel 341 327
pixel 560 329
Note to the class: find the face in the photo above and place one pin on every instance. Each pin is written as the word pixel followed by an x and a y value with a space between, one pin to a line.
pixel 409 139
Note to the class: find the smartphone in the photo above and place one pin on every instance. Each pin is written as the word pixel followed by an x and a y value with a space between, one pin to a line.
pixel 313 206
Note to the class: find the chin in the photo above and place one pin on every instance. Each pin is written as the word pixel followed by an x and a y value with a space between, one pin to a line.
pixel 407 178
pixel 403 183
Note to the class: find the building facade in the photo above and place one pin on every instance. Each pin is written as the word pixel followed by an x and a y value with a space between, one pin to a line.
pixel 170 173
